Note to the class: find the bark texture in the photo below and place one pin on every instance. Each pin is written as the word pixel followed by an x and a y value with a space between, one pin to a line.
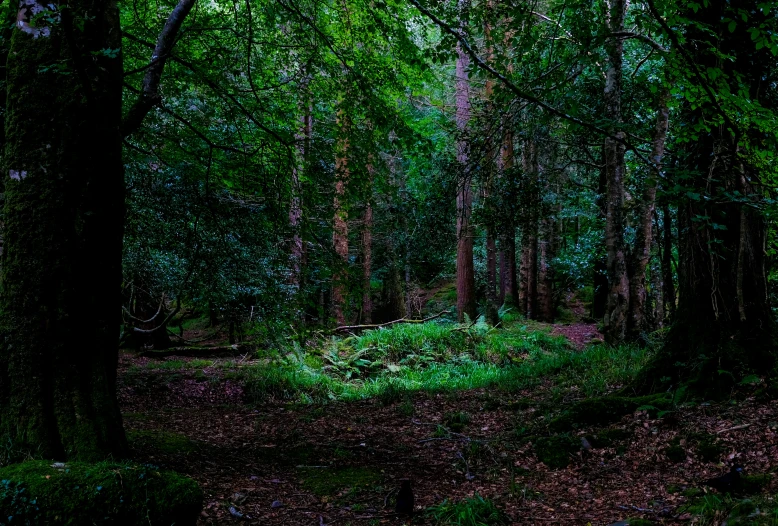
pixel 466 302
pixel 639 320
pixel 64 212
pixel 618 283
pixel 723 328
pixel 340 223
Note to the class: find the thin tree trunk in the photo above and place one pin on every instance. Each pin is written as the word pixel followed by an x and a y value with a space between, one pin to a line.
pixel 636 323
pixel 618 282
pixel 657 287
pixel 545 309
pixel 667 263
pixel 466 302
pixel 600 278
pixel 303 140
pixel 63 213
pixel 528 295
pixel 367 252
pixel 340 221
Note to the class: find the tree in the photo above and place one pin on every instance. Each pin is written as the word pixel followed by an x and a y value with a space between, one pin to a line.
pixel 64 213
pixel 615 171
pixel 723 327
pixel 466 302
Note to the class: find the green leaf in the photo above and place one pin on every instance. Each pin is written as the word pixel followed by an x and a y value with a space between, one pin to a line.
pixel 732 25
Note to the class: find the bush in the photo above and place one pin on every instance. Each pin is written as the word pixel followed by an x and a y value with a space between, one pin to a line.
pixel 43 492
pixel 474 511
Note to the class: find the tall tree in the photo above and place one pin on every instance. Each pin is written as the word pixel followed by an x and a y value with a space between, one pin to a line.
pixel 615 167
pixel 340 219
pixel 723 327
pixel 644 237
pixel 466 301
pixel 64 214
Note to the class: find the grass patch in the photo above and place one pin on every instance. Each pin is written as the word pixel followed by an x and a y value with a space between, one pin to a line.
pixel 326 481
pixel 473 511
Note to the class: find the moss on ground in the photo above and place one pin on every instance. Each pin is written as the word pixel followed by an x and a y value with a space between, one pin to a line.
pixel 75 493
pixel 163 441
pixel 606 410
pixel 555 451
pixel 327 481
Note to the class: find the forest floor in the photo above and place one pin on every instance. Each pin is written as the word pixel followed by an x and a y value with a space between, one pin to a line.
pixel 287 462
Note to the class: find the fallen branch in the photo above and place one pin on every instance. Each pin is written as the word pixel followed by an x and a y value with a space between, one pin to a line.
pixel 742 426
pixel 347 328
pixel 197 352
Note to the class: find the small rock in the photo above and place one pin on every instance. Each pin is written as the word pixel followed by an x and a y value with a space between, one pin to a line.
pixel 277 504
pixel 239 498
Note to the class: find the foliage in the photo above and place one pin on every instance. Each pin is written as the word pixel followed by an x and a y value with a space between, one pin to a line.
pixel 473 511
pixel 43 492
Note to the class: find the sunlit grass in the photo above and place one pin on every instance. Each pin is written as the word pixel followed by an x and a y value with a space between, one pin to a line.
pixel 436 357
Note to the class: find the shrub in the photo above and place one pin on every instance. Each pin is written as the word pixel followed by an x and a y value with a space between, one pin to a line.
pixel 473 511
pixel 43 492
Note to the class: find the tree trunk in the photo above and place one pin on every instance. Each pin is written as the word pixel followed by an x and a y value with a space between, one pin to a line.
pixel 64 213
pixel 545 309
pixel 303 142
pixel 657 288
pixel 600 278
pixel 466 303
pixel 724 328
pixel 367 253
pixel 340 222
pixel 618 283
pixel 668 292
pixel 508 290
pixel 636 321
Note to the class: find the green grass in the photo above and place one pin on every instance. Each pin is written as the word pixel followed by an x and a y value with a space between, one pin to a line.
pixel 473 511
pixel 390 363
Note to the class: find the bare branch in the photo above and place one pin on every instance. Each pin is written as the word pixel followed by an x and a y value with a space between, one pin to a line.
pixel 150 95
pixel 643 38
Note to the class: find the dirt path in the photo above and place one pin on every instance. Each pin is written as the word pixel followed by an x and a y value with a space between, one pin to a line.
pixel 335 464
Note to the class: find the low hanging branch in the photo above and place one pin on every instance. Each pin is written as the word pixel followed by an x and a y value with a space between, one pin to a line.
pixel 349 328
pixel 150 96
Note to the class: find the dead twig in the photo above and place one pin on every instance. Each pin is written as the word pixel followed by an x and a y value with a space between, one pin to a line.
pixel 349 328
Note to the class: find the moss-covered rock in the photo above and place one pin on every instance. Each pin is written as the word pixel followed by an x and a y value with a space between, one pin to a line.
pixel 555 451
pixel 74 493
pixel 606 410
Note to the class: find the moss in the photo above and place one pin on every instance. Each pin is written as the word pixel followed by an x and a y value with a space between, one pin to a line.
pixel 709 449
pixel 323 481
pixel 555 451
pixel 609 437
pixel 456 421
pixel 606 410
pixel 42 492
pixel 163 441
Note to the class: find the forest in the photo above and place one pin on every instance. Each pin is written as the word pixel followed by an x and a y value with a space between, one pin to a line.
pixel 362 262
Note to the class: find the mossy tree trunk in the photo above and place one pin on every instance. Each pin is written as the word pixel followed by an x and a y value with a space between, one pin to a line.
pixel 723 327
pixel 64 211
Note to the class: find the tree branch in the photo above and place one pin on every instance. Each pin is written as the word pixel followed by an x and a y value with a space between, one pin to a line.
pixel 643 38
pixel 515 89
pixel 150 96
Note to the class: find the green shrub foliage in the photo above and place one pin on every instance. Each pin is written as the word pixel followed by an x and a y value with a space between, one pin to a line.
pixel 75 493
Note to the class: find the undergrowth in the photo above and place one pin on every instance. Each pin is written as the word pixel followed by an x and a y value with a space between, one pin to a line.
pixel 473 511
pixel 387 363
